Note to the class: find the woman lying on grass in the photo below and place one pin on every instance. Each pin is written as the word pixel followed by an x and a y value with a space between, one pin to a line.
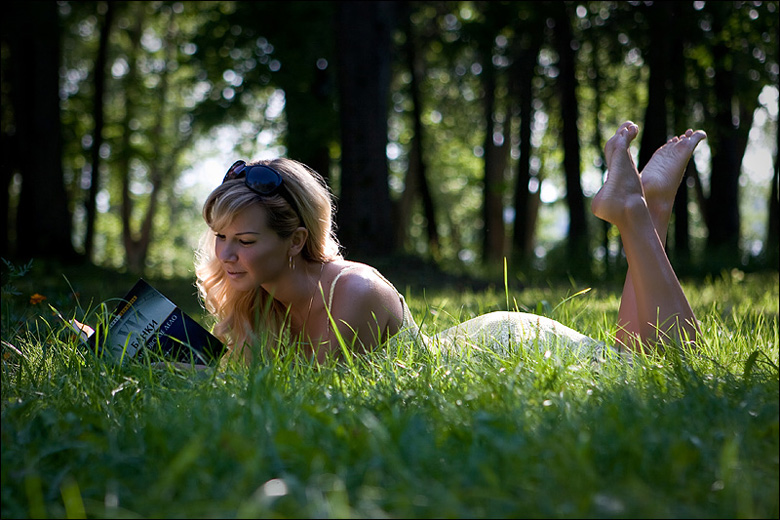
pixel 271 265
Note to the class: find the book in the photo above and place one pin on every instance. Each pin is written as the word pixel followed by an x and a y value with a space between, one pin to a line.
pixel 147 324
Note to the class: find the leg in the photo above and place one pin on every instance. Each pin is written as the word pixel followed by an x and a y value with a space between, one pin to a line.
pixel 660 179
pixel 662 310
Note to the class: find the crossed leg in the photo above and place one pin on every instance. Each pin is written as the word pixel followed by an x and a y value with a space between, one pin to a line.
pixel 653 306
pixel 660 179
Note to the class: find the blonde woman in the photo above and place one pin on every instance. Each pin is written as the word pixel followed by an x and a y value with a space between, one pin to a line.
pixel 270 268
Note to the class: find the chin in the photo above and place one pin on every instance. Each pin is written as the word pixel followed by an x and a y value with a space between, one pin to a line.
pixel 240 284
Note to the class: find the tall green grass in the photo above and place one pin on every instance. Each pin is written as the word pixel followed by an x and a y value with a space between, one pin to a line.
pixel 406 433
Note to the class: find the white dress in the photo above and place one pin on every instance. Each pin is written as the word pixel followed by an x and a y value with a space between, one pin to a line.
pixel 499 332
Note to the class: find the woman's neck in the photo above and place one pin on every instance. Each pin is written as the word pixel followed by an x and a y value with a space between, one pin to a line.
pixel 303 287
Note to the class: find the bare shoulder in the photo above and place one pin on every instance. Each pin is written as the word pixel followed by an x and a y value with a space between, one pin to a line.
pixel 360 287
pixel 363 302
pixel 358 280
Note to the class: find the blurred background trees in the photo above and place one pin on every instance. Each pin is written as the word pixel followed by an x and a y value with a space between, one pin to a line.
pixel 460 132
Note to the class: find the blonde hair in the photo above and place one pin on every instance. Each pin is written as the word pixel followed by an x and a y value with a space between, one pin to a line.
pixel 243 316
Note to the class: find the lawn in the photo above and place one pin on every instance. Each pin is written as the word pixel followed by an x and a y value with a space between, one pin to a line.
pixel 401 433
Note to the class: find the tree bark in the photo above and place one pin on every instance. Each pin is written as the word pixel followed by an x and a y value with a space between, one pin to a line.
pixel 364 55
pixel 125 149
pixel 43 220
pixel 416 177
pixel 771 252
pixel 723 220
pixel 137 244
pixel 99 80
pixel 522 81
pixel 578 230
pixel 654 131
pixel 493 205
pixel 680 123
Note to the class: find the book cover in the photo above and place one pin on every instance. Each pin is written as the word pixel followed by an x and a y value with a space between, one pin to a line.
pixel 148 324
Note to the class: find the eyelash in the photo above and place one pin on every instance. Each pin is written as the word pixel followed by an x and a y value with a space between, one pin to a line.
pixel 221 237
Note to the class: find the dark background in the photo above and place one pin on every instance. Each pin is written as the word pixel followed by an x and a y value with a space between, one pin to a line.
pixel 103 103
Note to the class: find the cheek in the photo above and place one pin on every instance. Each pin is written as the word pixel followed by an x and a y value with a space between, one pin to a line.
pixel 265 260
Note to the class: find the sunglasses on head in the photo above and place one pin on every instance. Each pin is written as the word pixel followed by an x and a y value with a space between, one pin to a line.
pixel 263 180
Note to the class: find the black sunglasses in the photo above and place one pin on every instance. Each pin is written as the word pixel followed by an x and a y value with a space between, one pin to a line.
pixel 263 180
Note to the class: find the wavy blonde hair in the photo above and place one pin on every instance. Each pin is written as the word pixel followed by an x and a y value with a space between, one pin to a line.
pixel 244 316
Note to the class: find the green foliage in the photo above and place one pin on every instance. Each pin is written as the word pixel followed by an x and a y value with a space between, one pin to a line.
pixel 263 76
pixel 158 98
pixel 406 433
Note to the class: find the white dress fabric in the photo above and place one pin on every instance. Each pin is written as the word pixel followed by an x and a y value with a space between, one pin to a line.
pixel 498 332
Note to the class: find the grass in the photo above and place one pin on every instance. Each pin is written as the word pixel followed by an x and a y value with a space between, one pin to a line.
pixel 401 433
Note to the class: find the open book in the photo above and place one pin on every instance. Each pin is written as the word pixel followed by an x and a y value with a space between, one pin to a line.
pixel 147 324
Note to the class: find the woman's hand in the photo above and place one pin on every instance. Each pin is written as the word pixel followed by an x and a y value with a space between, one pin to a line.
pixel 84 330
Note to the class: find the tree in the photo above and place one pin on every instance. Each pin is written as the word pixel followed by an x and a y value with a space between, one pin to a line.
pixel 655 131
pixel 43 224
pixel 99 79
pixel 736 55
pixel 667 112
pixel 148 125
pixel 475 81
pixel 681 119
pixel 165 142
pixel 416 180
pixel 484 31
pixel 528 38
pixel 567 83
pixel 363 43
pixel 771 250
pixel 300 63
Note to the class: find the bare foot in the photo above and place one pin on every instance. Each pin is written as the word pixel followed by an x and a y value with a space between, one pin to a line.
pixel 622 187
pixel 664 171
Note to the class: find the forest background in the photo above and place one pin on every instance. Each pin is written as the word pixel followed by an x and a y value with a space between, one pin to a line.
pixel 459 133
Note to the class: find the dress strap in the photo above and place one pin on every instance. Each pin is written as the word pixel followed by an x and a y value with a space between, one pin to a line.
pixel 333 284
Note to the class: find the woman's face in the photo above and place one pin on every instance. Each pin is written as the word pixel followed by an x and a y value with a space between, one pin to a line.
pixel 250 252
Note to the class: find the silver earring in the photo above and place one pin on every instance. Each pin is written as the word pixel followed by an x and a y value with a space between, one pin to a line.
pixel 291 263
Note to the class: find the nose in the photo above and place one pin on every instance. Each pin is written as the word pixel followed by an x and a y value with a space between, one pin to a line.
pixel 226 252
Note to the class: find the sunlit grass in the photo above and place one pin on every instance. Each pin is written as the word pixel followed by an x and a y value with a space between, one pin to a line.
pixel 406 433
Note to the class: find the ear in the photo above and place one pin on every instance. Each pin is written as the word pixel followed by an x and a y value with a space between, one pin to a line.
pixel 298 240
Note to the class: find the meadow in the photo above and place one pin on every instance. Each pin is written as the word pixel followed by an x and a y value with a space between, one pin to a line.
pixel 401 433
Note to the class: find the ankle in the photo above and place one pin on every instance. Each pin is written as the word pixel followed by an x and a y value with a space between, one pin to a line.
pixel 660 217
pixel 633 212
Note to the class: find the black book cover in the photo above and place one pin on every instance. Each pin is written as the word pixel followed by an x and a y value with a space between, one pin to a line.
pixel 147 324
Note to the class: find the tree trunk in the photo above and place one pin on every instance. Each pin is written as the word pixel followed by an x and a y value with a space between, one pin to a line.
pixel 522 74
pixel 164 162
pixel 125 149
pixel 311 119
pixel 99 80
pixel 493 205
pixel 578 230
pixel 723 220
pixel 364 52
pixel 305 48
pixel 771 251
pixel 523 80
pixel 599 145
pixel 43 220
pixel 680 123
pixel 416 176
pixel 654 131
